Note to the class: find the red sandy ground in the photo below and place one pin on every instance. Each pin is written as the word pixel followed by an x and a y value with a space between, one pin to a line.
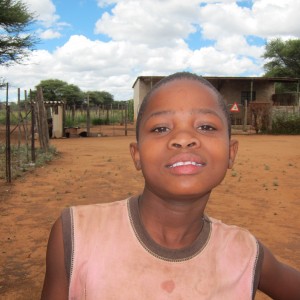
pixel 261 194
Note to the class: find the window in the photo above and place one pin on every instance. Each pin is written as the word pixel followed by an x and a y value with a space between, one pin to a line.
pixel 246 95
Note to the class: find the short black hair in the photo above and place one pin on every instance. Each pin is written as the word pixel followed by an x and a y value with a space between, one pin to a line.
pixel 180 76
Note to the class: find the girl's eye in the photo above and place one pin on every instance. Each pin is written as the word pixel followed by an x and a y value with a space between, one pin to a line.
pixel 160 129
pixel 207 128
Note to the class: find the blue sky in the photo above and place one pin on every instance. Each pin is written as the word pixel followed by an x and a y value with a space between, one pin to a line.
pixel 79 18
pixel 107 44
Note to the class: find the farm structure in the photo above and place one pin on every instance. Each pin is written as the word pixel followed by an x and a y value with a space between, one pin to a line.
pixel 240 91
pixel 55 118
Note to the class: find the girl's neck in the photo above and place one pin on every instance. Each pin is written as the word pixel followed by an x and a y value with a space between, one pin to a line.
pixel 172 223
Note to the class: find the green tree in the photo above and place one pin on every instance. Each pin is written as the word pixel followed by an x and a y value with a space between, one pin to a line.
pixel 15 18
pixel 283 60
pixel 95 97
pixel 100 97
pixel 72 94
pixel 108 99
pixel 55 89
pixel 52 89
pixel 104 98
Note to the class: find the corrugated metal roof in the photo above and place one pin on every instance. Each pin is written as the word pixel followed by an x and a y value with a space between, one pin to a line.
pixel 267 79
pixel 272 79
pixel 53 102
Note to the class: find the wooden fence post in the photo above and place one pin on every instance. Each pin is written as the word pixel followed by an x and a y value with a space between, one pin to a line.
pixel 245 116
pixel 32 129
pixel 25 124
pixel 19 122
pixel 126 117
pixel 7 148
pixel 42 120
pixel 88 116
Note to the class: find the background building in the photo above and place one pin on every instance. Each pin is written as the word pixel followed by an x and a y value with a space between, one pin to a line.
pixel 239 90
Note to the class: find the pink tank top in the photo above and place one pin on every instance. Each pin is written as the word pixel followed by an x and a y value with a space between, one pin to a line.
pixel 113 257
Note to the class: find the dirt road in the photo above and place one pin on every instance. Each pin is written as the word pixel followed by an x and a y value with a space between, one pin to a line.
pixel 261 193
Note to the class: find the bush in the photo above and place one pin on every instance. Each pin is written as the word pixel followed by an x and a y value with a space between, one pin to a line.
pixel 13 117
pixel 260 115
pixel 80 119
pixel 99 121
pixel 286 124
pixel 20 160
pixel 2 117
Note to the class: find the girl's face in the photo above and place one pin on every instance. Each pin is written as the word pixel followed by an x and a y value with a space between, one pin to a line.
pixel 183 149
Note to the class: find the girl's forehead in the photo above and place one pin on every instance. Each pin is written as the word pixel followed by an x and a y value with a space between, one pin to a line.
pixel 183 91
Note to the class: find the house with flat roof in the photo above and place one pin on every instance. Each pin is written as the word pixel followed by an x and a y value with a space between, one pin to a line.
pixel 235 90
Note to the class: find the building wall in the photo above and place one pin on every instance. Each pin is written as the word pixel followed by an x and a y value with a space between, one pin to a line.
pixel 140 90
pixel 230 88
pixel 136 97
pixel 288 110
pixel 286 99
pixel 57 117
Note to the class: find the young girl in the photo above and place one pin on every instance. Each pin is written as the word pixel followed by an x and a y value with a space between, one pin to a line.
pixel 161 244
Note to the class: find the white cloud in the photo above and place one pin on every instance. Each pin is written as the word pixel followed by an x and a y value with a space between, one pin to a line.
pixel 209 61
pixel 45 11
pixel 276 18
pixel 150 38
pixel 266 19
pixel 88 64
pixel 238 45
pixel 103 3
pixel 154 23
pixel 49 34
pixel 223 20
pixel 95 65
pixel 46 17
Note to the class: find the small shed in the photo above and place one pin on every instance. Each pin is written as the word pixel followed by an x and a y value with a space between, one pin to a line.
pixel 55 118
pixel 239 90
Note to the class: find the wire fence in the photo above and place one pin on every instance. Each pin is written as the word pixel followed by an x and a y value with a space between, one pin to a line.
pixel 22 140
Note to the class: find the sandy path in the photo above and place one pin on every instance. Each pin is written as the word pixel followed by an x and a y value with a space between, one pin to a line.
pixel 261 193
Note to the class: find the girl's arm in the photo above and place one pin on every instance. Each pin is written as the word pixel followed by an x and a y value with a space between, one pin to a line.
pixel 278 280
pixel 55 283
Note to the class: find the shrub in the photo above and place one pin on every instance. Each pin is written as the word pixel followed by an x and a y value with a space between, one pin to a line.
pixel 260 115
pixel 79 120
pixel 20 161
pixel 13 117
pixel 99 121
pixel 285 124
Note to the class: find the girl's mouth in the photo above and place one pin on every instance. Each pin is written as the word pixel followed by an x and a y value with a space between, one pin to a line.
pixel 185 163
pixel 186 167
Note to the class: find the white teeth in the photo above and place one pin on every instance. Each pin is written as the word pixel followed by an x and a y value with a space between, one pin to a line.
pixel 185 163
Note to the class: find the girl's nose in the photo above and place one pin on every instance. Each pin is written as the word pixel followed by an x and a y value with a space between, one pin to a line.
pixel 184 140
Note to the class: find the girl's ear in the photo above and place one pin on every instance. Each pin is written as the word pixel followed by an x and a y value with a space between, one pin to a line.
pixel 233 148
pixel 135 154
